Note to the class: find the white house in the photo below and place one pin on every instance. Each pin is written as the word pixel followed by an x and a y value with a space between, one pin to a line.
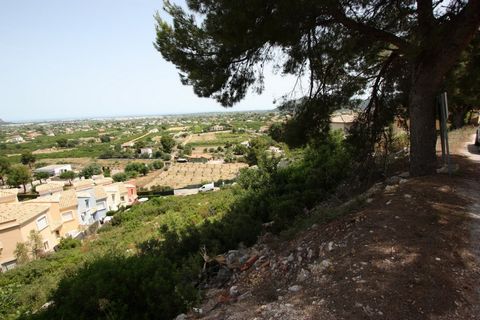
pixel 55 169
pixel 16 139
pixel 146 151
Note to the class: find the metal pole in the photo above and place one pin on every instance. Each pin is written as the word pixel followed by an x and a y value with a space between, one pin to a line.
pixel 445 114
pixel 442 131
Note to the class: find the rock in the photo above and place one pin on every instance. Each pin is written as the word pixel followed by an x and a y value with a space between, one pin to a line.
pixel 453 168
pixel 303 275
pixel 244 296
pixel 290 258
pixel 389 189
pixel 402 181
pixel 321 266
pixel 309 254
pixel 374 189
pixel 330 246
pixel 232 258
pixel 393 180
pixel 407 196
pixel 234 291
pixel 369 200
pixel 181 316
pixel 388 202
pixel 295 288
pixel 198 310
pixel 404 175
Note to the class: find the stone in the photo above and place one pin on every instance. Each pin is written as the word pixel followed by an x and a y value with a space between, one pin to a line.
pixel 330 246
pixel 404 175
pixel 310 254
pixel 244 296
pixel 295 288
pixel 390 188
pixel 234 291
pixel 393 180
pixel 303 275
pixel 407 196
pixel 290 258
pixel 181 316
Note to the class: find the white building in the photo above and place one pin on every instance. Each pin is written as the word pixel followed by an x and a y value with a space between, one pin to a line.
pixel 147 151
pixel 55 169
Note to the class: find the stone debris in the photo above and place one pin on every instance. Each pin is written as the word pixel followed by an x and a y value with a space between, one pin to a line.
pixel 295 288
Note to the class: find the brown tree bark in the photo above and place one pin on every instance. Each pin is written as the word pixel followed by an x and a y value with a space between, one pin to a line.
pixel 422 130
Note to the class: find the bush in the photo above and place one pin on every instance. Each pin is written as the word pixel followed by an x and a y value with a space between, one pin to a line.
pixel 69 243
pixel 157 164
pixel 120 177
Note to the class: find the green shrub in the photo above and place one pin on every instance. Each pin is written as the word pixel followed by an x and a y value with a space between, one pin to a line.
pixel 69 243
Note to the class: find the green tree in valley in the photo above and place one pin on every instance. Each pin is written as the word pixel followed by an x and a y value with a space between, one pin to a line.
pixel 68 175
pixel 400 52
pixel 91 170
pixel 19 175
pixel 4 168
pixel 137 167
pixel 41 176
pixel 167 143
pixel 62 142
pixel 105 139
pixel 28 159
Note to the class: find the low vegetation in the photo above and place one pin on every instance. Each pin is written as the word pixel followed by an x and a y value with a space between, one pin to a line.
pixel 150 253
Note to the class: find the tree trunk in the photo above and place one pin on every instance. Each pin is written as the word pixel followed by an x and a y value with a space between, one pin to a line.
pixel 421 100
pixel 458 117
pixel 24 188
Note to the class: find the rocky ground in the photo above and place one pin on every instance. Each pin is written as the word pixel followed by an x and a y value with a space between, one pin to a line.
pixel 412 252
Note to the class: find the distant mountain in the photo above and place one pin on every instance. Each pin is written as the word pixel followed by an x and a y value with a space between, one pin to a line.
pixel 3 122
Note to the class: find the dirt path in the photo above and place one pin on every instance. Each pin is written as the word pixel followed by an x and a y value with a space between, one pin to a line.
pixel 412 252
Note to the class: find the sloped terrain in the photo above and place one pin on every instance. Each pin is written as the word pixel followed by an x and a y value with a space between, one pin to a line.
pixel 411 252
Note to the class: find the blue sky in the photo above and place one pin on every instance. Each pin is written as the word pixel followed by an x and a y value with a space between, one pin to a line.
pixel 87 58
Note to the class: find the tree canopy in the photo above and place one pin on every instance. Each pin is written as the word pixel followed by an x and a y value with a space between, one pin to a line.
pixel 28 158
pixel 396 52
pixel 19 175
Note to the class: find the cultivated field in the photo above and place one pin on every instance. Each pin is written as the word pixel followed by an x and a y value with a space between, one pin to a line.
pixel 180 175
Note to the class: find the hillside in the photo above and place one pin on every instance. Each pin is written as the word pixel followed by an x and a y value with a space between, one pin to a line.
pixel 412 252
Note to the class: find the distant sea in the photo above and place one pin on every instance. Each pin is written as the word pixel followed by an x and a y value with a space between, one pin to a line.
pixel 136 116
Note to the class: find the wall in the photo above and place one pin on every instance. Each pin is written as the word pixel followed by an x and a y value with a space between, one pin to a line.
pixel 9 238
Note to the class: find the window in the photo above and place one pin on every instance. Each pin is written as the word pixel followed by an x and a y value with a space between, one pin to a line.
pixel 101 205
pixel 9 265
pixel 113 197
pixel 87 202
pixel 67 216
pixel 122 198
pixel 45 245
pixel 42 223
